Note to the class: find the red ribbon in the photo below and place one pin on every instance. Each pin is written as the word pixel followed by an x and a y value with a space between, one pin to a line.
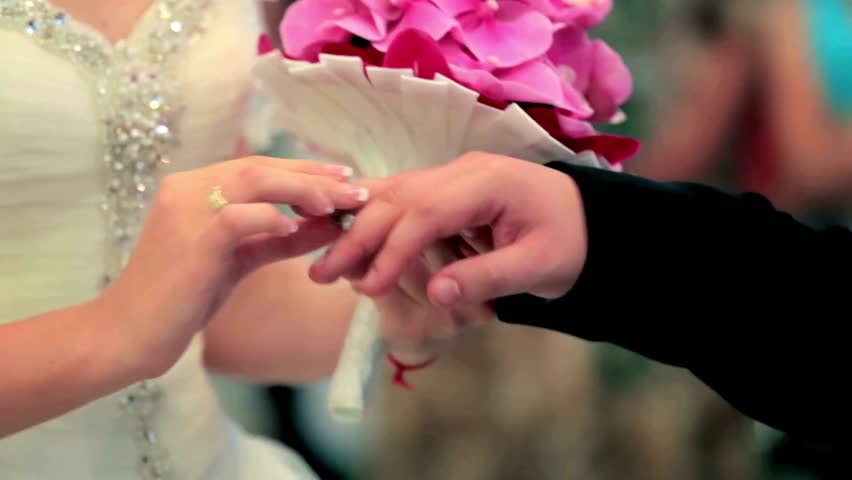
pixel 402 368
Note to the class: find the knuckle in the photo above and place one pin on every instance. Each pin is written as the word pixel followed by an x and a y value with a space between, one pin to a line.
pixel 250 176
pixel 384 264
pixel 319 189
pixel 314 195
pixel 394 191
pixel 495 278
pixel 229 221
pixel 425 210
pixel 358 246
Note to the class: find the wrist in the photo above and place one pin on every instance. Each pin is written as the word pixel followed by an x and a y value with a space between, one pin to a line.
pixel 577 255
pixel 109 348
pixel 568 241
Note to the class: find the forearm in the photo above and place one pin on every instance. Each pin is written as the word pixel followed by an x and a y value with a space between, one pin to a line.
pixel 57 362
pixel 684 274
pixel 279 327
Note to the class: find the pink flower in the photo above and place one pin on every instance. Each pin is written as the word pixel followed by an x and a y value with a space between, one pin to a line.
pixel 533 52
pixel 610 85
pixel 593 69
pixel 417 50
pixel 505 34
pixel 534 82
pixel 421 15
pixel 309 25
pixel 388 9
pixel 577 13
pixel 580 136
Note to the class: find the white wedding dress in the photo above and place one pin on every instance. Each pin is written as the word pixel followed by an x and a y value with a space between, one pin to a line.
pixel 86 130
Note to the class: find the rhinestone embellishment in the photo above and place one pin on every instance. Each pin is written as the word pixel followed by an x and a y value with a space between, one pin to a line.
pixel 139 107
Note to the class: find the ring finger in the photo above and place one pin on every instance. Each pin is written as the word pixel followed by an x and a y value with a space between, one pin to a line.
pixel 314 194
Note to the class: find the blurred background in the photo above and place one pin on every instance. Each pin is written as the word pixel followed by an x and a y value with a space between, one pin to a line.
pixel 743 94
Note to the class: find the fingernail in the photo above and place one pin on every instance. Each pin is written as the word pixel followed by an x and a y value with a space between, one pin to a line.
pixel 446 291
pixel 329 210
pixel 342 170
pixel 360 194
pixel 288 228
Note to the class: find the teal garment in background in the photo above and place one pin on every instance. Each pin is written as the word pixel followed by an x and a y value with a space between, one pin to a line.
pixel 829 29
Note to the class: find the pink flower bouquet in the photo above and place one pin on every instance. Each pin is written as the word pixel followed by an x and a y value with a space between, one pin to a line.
pixel 535 53
pixel 393 85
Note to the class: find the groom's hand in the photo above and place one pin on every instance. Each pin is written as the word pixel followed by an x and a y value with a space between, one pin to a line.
pixel 534 215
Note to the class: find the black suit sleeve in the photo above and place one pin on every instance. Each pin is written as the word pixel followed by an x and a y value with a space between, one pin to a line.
pixel 751 301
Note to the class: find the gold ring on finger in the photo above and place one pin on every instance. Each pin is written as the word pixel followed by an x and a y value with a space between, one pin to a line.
pixel 216 199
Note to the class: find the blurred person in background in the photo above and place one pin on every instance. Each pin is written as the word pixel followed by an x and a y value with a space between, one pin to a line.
pixel 762 103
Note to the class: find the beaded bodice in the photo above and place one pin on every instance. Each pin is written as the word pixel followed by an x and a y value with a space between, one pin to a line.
pixel 135 94
pixel 87 130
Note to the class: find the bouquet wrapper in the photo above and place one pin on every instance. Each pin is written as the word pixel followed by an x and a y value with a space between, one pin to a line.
pixel 387 121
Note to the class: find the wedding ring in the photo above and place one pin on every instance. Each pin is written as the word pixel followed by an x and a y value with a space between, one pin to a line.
pixel 216 200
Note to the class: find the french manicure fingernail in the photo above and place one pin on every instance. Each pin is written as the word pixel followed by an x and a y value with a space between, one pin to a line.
pixel 360 194
pixel 447 291
pixel 342 170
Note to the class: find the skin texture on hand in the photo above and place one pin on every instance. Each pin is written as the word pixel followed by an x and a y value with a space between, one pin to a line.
pixel 534 215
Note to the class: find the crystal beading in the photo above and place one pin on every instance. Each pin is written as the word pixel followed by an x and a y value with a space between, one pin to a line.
pixel 139 104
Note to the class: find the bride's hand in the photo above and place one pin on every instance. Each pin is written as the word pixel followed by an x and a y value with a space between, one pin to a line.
pixel 190 255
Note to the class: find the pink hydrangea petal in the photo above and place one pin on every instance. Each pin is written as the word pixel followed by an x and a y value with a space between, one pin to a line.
pixel 264 45
pixel 457 56
pixel 481 81
pixel 387 9
pixel 614 148
pixel 417 50
pixel 580 136
pixel 586 14
pixel 363 23
pixel 306 26
pixel 572 54
pixel 575 102
pixel 611 83
pixel 581 13
pixel 538 82
pixel 457 7
pixel 574 127
pixel 422 16
pixel 611 72
pixel 512 35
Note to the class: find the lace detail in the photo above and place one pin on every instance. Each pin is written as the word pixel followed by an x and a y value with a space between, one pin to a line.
pixel 140 109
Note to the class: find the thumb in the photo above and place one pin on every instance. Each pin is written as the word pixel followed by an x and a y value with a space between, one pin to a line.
pixel 506 271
